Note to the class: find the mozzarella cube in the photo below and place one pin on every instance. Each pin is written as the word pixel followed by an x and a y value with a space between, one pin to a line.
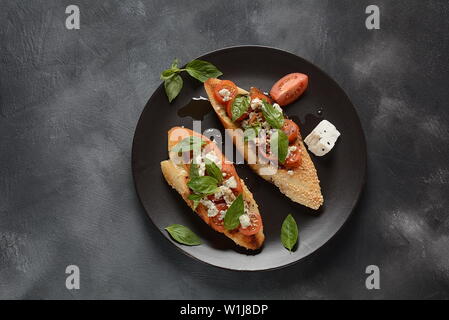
pixel 322 139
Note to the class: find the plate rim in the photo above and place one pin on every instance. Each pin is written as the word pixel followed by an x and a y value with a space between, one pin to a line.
pixel 353 206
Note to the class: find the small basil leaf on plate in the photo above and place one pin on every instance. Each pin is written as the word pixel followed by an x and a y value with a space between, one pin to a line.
pixel 279 144
pixel 239 107
pixel 196 198
pixel 213 170
pixel 173 86
pixel 231 219
pixel 183 235
pixel 204 185
pixel 289 232
pixel 188 144
pixel 202 70
pixel 274 117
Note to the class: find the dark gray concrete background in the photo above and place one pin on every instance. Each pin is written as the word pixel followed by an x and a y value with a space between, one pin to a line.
pixel 70 100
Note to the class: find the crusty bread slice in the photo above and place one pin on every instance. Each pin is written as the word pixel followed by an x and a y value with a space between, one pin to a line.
pixel 302 186
pixel 177 177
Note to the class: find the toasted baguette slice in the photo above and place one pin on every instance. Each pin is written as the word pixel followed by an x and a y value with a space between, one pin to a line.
pixel 177 177
pixel 302 186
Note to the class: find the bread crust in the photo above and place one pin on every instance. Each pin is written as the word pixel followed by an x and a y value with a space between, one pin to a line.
pixel 177 177
pixel 303 186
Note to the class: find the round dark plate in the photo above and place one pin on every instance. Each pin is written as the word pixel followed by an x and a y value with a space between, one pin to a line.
pixel 341 172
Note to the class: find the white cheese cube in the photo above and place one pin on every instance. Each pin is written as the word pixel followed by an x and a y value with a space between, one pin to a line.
pixel 245 221
pixel 322 139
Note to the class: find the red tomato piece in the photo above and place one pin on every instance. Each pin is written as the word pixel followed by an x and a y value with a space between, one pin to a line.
pixel 256 224
pixel 291 129
pixel 289 88
pixel 228 85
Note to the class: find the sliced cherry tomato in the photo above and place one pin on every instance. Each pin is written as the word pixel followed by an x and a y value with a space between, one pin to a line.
pixel 229 111
pixel 256 93
pixel 228 85
pixel 294 160
pixel 289 88
pixel 291 129
pixel 217 222
pixel 229 169
pixel 256 224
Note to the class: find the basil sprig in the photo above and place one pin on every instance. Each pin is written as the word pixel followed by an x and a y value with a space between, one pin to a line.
pixel 183 235
pixel 189 144
pixel 213 170
pixel 274 117
pixel 239 107
pixel 199 69
pixel 279 144
pixel 289 232
pixel 194 170
pixel 204 185
pixel 231 219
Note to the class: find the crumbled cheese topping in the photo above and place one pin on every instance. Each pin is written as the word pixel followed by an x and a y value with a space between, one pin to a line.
pixel 256 103
pixel 212 210
pixel 245 221
pixel 225 94
pixel 277 107
pixel 290 172
pixel 290 150
pixel 230 183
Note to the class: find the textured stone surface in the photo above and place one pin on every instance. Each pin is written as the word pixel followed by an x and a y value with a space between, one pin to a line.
pixel 70 100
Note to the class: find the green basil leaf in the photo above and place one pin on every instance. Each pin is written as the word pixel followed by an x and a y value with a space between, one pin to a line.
pixel 289 232
pixel 194 172
pixel 274 117
pixel 279 144
pixel 196 198
pixel 189 144
pixel 173 86
pixel 167 74
pixel 202 70
pixel 175 63
pixel 183 235
pixel 231 219
pixel 239 107
pixel 213 170
pixel 203 185
pixel 251 132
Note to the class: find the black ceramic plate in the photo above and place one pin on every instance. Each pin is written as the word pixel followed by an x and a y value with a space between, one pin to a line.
pixel 342 171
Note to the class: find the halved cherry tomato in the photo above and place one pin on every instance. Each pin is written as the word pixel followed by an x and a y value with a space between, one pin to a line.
pixel 229 111
pixel 256 93
pixel 294 160
pixel 289 88
pixel 229 169
pixel 291 129
pixel 256 224
pixel 215 222
pixel 228 85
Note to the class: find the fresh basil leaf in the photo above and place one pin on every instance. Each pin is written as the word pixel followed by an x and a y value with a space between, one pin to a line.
pixel 274 117
pixel 279 144
pixel 251 132
pixel 289 232
pixel 202 70
pixel 231 219
pixel 175 63
pixel 239 107
pixel 173 86
pixel 196 198
pixel 167 74
pixel 203 185
pixel 213 170
pixel 194 170
pixel 188 144
pixel 183 235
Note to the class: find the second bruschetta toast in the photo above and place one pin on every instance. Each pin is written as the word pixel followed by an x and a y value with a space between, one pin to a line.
pixel 300 183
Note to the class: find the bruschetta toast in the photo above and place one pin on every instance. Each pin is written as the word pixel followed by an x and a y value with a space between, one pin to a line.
pixel 295 173
pixel 209 184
